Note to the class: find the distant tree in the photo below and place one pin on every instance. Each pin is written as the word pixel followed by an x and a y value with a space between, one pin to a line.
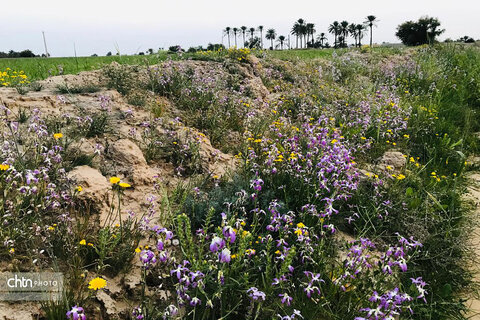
pixel 310 32
pixel 370 22
pixel 175 49
pixel 321 39
pixel 141 53
pixel 281 41
pixel 352 30
pixel 466 39
pixel 335 29
pixel 235 31
pixel 344 32
pixel 300 31
pixel 260 28
pixel 94 55
pixel 424 31
pixel 227 32
pixel 244 29
pixel 360 31
pixel 26 54
pixel 215 47
pixel 271 35
pixel 109 53
pixel 296 32
pixel 253 43
pixel 252 32
pixel 150 51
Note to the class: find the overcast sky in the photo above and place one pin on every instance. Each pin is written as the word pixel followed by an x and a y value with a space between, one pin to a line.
pixel 99 26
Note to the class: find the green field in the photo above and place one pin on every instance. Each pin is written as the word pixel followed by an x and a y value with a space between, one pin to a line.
pixel 42 68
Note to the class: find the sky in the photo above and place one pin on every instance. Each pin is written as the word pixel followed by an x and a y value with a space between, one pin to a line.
pixel 99 26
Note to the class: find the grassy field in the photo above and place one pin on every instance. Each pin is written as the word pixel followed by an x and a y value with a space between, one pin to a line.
pixel 41 68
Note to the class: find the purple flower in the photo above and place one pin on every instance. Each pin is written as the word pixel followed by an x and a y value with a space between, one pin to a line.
pixel 229 233
pixel 147 257
pixel 256 184
pixel 160 245
pixel 137 313
pixel 224 256
pixel 285 298
pixel 76 313
pixel 217 244
pixel 195 302
pixel 256 294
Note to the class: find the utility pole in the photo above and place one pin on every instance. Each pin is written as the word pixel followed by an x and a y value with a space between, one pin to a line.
pixel 45 44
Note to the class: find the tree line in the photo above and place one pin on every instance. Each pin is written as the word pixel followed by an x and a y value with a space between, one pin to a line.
pixel 411 33
pixel 304 33
pixel 14 54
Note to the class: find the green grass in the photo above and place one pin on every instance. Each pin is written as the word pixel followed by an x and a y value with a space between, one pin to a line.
pixel 302 54
pixel 41 68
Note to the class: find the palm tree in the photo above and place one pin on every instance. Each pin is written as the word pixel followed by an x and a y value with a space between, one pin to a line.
pixel 296 32
pixel 310 31
pixel 352 29
pixel 244 29
pixel 271 34
pixel 252 32
pixel 344 31
pixel 321 38
pixel 371 22
pixel 260 28
pixel 335 29
pixel 300 30
pixel 235 31
pixel 227 32
pixel 360 30
pixel 281 40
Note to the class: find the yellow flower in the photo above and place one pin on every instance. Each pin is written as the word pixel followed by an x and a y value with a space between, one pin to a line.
pixel 400 177
pixel 215 177
pixel 243 223
pixel 406 136
pixel 12 250
pixel 97 283
pixel 389 167
pixel 300 225
pixel 83 242
pixel 79 188
pixel 4 167
pixel 57 136
pixel 90 244
pixel 298 232
pixel 114 180
pixel 124 185
pixel 51 228
pixel 363 138
pixel 277 252
pixel 233 256
pixel 334 140
pixel 138 250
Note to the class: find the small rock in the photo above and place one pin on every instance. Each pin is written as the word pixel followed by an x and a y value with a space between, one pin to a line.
pixel 395 159
pixel 108 302
pixel 126 152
